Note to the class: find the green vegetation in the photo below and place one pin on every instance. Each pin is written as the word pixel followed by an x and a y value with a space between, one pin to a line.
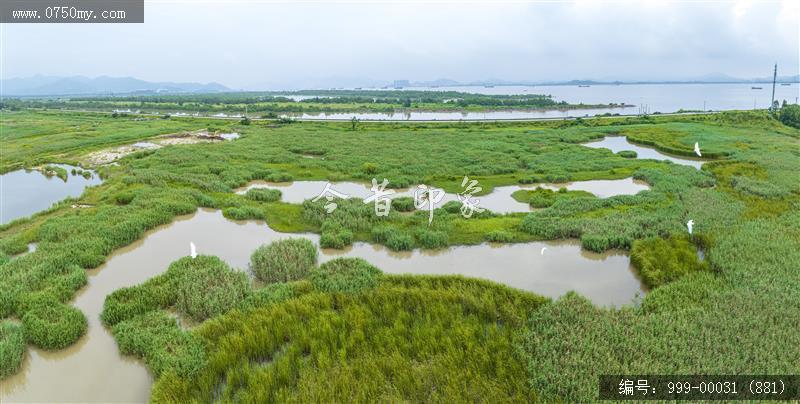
pixel 543 197
pixel 790 115
pixel 60 172
pixel 264 194
pixel 209 287
pixel 271 104
pixel 660 261
pixel 53 326
pixel 628 154
pixel 402 338
pixel 284 260
pixel 345 275
pixel 161 343
pixel 12 348
pixel 403 204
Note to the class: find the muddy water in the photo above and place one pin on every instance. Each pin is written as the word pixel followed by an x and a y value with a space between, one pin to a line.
pixel 606 279
pixel 619 143
pixel 25 192
pixel 499 200
pixel 92 370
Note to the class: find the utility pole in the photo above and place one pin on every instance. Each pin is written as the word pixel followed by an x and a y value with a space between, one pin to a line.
pixel 774 77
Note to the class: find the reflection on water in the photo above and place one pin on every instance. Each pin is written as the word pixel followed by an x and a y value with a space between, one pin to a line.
pixel 606 279
pixel 664 98
pixel 467 116
pixel 619 143
pixel 92 370
pixel 25 192
pixel 499 200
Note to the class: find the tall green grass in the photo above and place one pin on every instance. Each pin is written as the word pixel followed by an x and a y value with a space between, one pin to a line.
pixel 404 338
pixel 284 260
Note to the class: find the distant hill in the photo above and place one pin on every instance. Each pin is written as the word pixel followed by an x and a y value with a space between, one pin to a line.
pixel 80 85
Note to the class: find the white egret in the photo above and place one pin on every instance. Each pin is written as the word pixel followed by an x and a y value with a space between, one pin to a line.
pixel 543 248
pixel 193 250
pixel 689 225
pixel 697 149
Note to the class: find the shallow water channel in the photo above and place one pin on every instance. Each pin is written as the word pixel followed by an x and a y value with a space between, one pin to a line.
pixel 499 200
pixel 25 192
pixel 92 370
pixel 619 143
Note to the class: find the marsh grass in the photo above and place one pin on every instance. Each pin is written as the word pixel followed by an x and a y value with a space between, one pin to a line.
pixel 405 336
pixel 345 275
pixel 543 197
pixel 157 338
pixel 208 287
pixel 403 339
pixel 660 261
pixel 12 348
pixel 264 194
pixel 53 326
pixel 284 260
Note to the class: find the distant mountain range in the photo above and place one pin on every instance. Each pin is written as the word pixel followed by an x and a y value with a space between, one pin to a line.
pixel 103 85
pixel 41 86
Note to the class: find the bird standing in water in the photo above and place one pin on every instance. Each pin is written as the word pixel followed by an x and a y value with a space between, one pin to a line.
pixel 193 252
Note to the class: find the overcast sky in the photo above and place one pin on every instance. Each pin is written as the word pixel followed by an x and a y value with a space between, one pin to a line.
pixel 259 45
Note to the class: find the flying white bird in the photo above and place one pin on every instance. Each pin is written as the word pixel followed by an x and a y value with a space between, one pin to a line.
pixel 689 225
pixel 194 249
pixel 543 248
pixel 697 149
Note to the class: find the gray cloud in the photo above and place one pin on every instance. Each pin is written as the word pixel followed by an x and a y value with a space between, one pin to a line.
pixel 259 45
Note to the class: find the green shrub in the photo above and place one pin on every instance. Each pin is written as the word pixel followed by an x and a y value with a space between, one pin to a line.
pixel 790 115
pixel 210 287
pixel 500 236
pixel 540 201
pixel 279 177
pixel 264 194
pixel 284 260
pixel 12 348
pixel 605 241
pixel 628 154
pixel 660 261
pixel 382 233
pixel 157 293
pixel 334 235
pixel 400 241
pixel 369 168
pixel 345 275
pixel 337 240
pixel 403 204
pixel 53 325
pixel 50 170
pixel 243 213
pixel 452 207
pixel 432 238
pixel 158 340
pixel 270 294
pixel 124 197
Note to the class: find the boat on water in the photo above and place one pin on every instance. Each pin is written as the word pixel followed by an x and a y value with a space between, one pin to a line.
pixel 583 85
pixel 756 88
pixel 786 84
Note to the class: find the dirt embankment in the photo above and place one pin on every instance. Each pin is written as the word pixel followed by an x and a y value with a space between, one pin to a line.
pixel 108 156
